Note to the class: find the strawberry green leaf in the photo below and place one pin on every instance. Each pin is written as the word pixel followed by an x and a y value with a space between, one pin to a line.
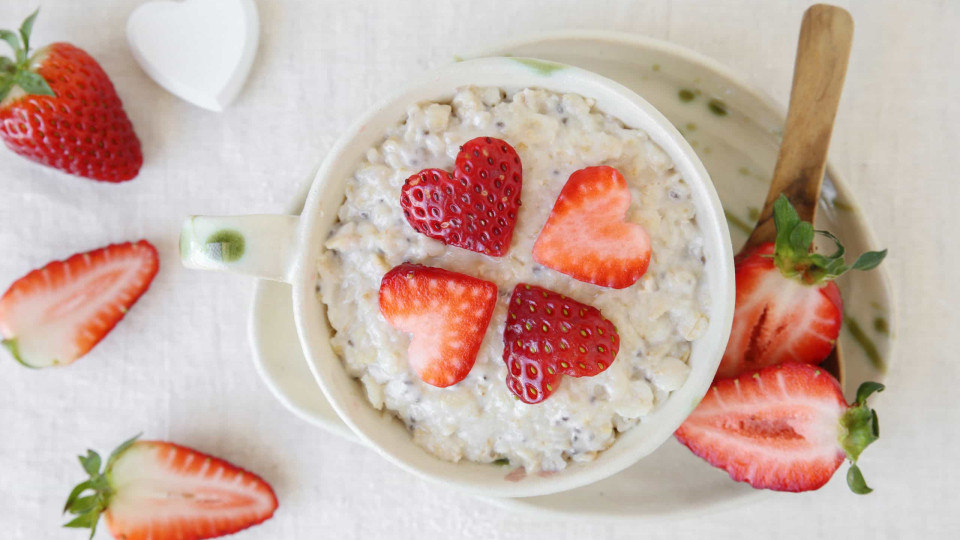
pixel 5 85
pixel 88 520
pixel 33 83
pixel 77 491
pixel 792 251
pixel 785 218
pixel 91 463
pixel 856 482
pixel 83 504
pixel 84 521
pixel 13 40
pixel 801 237
pixel 26 28
pixel 867 388
pixel 7 66
pixel 869 260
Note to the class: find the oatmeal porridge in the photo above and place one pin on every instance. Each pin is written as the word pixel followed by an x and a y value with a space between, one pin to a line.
pixel 479 419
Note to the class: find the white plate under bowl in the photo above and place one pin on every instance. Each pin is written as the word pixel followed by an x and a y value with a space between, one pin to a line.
pixel 735 130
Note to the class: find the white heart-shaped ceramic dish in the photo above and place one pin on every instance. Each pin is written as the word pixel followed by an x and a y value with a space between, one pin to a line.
pixel 199 50
pixel 287 248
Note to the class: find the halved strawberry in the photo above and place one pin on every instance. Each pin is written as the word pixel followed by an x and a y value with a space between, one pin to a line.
pixel 586 236
pixel 56 314
pixel 447 313
pixel 475 207
pixel 163 491
pixel 548 335
pixel 788 308
pixel 784 427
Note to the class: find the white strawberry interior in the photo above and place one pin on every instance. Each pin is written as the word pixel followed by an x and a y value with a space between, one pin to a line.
pixel 441 314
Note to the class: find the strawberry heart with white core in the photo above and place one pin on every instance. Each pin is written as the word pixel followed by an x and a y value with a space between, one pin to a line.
pixel 788 308
pixel 164 491
pixel 474 207
pixel 447 314
pixel 586 236
pixel 784 428
pixel 56 314
pixel 59 108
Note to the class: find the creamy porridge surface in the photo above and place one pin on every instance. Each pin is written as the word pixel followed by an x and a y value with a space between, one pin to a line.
pixel 479 419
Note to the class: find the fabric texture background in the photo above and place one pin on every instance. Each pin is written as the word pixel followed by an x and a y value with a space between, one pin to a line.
pixel 179 366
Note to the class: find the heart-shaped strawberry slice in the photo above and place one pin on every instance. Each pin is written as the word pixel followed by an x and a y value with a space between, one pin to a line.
pixel 548 335
pixel 476 206
pixel 586 236
pixel 447 313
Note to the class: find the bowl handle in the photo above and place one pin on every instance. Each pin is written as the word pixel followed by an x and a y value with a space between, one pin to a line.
pixel 258 245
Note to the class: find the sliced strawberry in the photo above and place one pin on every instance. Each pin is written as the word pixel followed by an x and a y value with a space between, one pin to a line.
pixel 586 236
pixel 476 206
pixel 56 314
pixel 779 319
pixel 159 490
pixel 447 313
pixel 784 427
pixel 788 308
pixel 548 335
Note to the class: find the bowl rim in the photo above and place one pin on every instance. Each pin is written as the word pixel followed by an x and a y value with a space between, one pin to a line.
pixel 309 312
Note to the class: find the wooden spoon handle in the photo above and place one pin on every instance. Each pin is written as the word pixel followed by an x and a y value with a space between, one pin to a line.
pixel 822 53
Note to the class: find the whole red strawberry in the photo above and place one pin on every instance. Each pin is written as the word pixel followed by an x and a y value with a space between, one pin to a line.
pixel 58 108
pixel 475 207
pixel 788 309
pixel 548 335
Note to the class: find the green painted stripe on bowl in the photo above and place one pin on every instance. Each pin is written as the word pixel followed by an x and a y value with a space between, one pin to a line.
pixel 540 66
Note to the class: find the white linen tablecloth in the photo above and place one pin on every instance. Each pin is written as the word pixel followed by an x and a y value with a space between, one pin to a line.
pixel 179 367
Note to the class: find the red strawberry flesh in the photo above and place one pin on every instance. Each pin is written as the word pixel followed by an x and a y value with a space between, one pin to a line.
pixel 548 335
pixel 447 313
pixel 56 314
pixel 475 207
pixel 777 428
pixel 779 319
pixel 586 236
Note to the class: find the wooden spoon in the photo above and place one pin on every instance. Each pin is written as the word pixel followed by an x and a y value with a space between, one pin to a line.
pixel 826 35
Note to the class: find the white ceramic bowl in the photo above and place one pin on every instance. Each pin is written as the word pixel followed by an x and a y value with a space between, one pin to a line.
pixel 287 248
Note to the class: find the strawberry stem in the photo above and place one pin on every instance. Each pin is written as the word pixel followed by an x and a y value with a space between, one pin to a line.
pixel 793 255
pixel 860 428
